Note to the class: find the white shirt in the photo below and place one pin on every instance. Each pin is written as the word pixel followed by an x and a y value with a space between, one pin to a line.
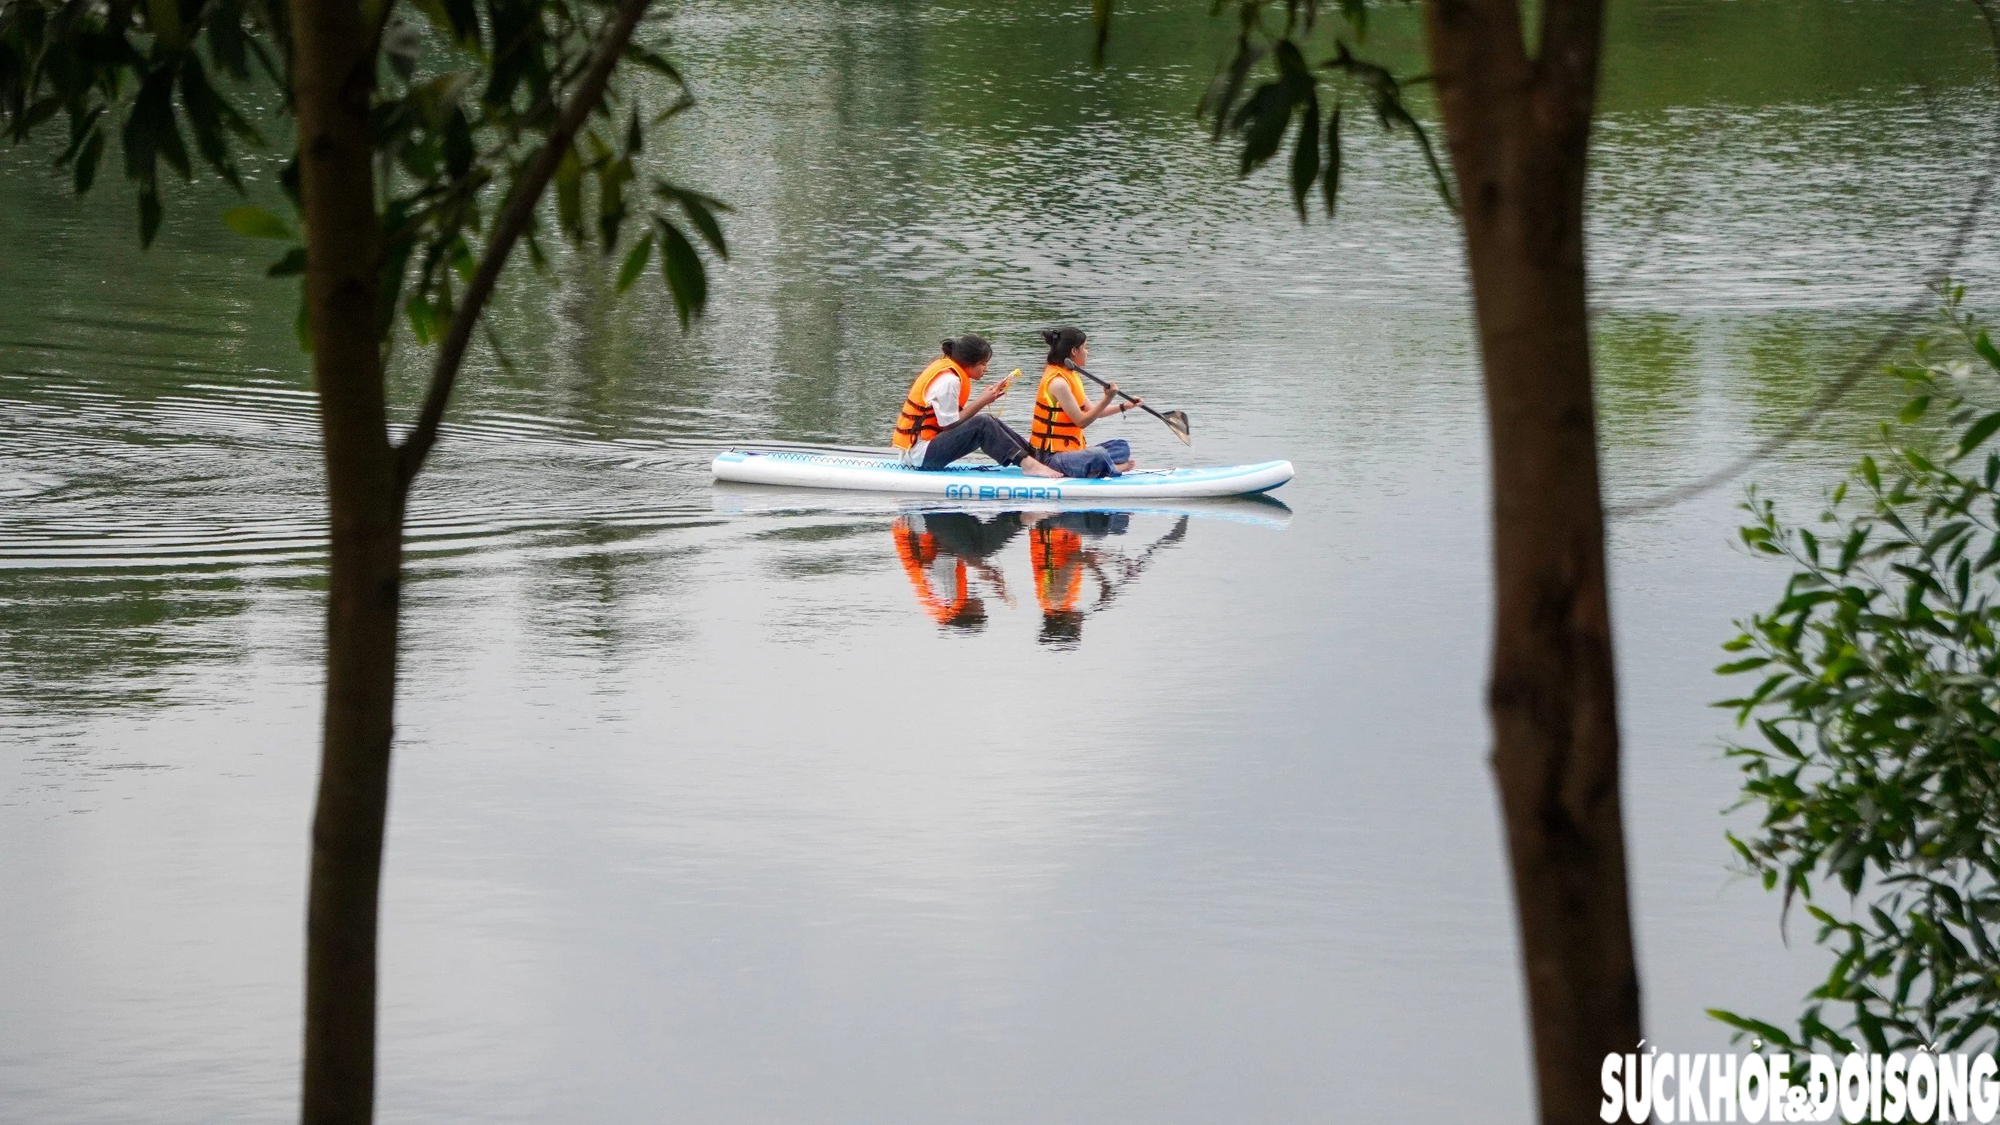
pixel 943 400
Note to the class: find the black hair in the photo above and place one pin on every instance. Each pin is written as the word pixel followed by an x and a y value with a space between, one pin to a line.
pixel 968 350
pixel 1061 342
pixel 971 616
pixel 1061 628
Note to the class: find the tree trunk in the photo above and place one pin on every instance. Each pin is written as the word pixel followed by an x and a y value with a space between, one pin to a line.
pixel 333 78
pixel 1518 129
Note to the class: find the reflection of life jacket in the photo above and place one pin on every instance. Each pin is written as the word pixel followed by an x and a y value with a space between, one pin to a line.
pixel 918 552
pixel 918 422
pixel 1057 556
pixel 1053 431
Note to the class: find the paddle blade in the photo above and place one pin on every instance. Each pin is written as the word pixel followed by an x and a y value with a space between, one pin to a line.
pixel 1177 422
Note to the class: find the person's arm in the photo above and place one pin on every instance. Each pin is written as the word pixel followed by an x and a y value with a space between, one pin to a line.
pixel 1066 399
pixel 944 400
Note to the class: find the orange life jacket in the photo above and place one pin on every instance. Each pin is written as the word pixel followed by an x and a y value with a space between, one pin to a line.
pixel 917 553
pixel 1053 431
pixel 918 422
pixel 1057 556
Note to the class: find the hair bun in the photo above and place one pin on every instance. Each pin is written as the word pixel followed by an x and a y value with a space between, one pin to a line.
pixel 946 346
pixel 1049 336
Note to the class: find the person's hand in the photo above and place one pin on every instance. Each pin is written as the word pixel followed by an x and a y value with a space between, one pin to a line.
pixel 1133 405
pixel 1110 392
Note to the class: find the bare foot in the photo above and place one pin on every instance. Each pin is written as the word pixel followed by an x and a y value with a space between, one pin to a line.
pixel 1128 466
pixel 1033 468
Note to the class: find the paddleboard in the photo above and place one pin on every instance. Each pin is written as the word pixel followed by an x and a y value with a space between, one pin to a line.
pixel 799 469
pixel 727 499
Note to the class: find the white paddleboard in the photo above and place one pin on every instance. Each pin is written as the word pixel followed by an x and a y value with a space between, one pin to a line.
pixel 799 469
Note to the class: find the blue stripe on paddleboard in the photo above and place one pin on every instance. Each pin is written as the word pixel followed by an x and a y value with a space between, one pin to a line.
pixel 996 472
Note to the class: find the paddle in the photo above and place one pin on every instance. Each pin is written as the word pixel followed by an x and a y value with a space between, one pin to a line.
pixel 1176 420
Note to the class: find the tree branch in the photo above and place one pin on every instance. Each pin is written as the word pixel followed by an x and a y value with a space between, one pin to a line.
pixel 507 230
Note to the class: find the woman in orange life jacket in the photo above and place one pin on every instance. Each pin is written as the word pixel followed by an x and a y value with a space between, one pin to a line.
pixel 1060 413
pixel 941 421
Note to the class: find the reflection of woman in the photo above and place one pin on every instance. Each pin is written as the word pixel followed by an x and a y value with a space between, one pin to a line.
pixel 1060 413
pixel 1058 548
pixel 941 421
pixel 1060 558
pixel 936 551
pixel 1057 556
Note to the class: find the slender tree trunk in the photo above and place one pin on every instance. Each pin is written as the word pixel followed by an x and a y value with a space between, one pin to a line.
pixel 333 80
pixel 1519 129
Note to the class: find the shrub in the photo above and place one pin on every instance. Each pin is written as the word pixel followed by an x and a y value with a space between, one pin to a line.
pixel 1877 700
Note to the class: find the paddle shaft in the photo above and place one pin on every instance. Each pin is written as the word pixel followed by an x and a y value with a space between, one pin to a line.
pixel 1121 394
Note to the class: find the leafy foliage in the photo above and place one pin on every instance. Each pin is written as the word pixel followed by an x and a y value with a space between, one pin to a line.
pixel 1878 702
pixel 1298 91
pixel 466 92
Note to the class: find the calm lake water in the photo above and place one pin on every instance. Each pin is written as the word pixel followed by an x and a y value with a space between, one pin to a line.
pixel 701 815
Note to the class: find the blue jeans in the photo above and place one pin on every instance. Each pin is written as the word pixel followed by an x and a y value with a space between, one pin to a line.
pixel 983 432
pixel 1101 460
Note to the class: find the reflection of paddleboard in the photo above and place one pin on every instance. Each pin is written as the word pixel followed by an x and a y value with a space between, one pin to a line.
pixel 991 482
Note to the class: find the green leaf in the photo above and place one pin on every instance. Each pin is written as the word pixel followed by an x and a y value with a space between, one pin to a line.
pixel 1268 112
pixel 422 318
pixel 1913 409
pixel 1980 430
pixel 1780 739
pixel 1735 666
pixel 86 161
pixel 700 211
pixel 1305 157
pixel 1987 351
pixel 1771 1035
pixel 255 222
pixel 1262 121
pixel 654 62
pixel 681 105
pixel 204 110
pixel 1944 535
pixel 1870 473
pixel 1330 179
pixel 569 195
pixel 635 262
pixel 80 130
pixel 611 202
pixel 150 132
pixel 682 269
pixel 35 115
pixel 291 265
pixel 1228 86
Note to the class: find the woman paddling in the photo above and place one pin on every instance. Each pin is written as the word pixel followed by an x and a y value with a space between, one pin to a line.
pixel 942 422
pixel 1060 415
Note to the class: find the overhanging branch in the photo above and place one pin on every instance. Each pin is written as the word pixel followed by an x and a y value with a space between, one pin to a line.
pixel 514 218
